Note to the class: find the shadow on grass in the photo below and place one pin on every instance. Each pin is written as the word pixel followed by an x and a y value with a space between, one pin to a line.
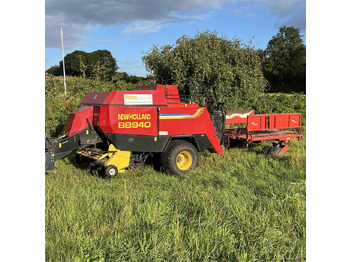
pixel 153 161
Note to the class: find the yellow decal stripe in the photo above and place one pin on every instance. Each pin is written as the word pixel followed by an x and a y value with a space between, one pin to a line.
pixel 197 114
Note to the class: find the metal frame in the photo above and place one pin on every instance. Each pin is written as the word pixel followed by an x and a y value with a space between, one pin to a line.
pixel 269 127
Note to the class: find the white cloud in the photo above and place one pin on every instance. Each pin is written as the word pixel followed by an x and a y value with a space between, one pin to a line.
pixel 78 17
pixel 151 26
pixel 144 27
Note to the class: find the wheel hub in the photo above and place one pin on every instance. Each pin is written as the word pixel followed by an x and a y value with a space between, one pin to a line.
pixel 184 160
pixel 111 172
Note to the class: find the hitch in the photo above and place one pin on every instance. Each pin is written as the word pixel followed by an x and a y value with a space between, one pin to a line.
pixel 57 148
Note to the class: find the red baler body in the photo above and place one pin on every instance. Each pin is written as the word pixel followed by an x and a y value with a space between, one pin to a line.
pixel 148 118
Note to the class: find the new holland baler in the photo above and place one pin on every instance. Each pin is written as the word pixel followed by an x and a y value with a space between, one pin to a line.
pixel 121 129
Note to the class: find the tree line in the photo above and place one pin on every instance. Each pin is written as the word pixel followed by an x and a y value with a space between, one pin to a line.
pixel 97 65
pixel 208 65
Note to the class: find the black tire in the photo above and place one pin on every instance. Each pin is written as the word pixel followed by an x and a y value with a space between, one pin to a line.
pixel 180 157
pixel 111 171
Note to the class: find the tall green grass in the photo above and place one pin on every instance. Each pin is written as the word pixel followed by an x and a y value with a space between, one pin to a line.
pixel 242 206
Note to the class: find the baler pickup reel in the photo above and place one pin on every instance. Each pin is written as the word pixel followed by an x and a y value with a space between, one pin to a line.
pixel 111 163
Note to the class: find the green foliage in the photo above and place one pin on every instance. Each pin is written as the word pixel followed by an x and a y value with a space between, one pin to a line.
pixel 54 70
pixel 209 66
pixel 132 79
pixel 285 61
pixel 98 65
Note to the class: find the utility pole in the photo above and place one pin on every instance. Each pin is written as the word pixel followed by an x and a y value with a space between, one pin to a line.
pixel 64 71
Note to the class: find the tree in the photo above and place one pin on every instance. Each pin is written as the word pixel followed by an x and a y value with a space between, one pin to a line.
pixel 285 61
pixel 99 64
pixel 82 67
pixel 54 70
pixel 102 69
pixel 72 63
pixel 219 69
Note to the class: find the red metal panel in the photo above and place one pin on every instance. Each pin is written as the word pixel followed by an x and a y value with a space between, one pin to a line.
pixel 273 121
pixel 77 120
pixel 256 122
pixel 282 121
pixel 118 97
pixel 157 96
pixel 187 120
pixel 172 94
pixel 129 120
pixel 180 120
pixel 284 149
pixel 295 121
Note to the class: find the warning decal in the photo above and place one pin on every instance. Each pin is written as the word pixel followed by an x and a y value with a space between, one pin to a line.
pixel 142 99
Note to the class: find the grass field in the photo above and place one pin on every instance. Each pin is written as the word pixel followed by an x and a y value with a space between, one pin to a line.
pixel 242 206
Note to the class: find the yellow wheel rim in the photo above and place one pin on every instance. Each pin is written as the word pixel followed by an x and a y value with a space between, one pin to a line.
pixel 184 160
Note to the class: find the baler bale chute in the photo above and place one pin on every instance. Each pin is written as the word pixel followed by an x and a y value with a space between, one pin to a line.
pixel 118 130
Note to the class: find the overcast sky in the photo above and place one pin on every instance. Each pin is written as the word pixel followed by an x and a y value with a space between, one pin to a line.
pixel 131 27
